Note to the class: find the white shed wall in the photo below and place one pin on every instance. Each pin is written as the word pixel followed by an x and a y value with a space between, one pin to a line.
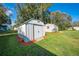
pixel 22 30
pixel 38 31
pixel 29 31
pixel 33 29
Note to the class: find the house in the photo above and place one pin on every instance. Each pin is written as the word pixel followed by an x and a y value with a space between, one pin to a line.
pixel 31 30
pixel 74 27
pixel 6 26
pixel 51 28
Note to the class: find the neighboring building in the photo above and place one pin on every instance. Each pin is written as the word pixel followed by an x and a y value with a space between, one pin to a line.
pixel 75 28
pixel 51 28
pixel 31 30
pixel 6 26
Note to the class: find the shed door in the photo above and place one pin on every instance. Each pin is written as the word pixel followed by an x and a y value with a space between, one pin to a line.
pixel 29 31
pixel 38 31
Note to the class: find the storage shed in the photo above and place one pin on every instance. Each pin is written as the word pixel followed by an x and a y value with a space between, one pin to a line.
pixel 51 28
pixel 31 30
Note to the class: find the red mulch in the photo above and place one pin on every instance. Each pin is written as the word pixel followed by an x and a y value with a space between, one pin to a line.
pixel 24 43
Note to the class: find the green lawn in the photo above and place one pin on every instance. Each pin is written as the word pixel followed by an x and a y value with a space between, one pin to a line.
pixel 60 43
pixel 7 32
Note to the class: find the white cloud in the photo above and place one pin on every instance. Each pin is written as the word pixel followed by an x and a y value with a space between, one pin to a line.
pixel 9 12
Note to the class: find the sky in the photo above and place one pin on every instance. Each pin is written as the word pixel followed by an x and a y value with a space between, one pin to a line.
pixel 69 8
pixel 11 6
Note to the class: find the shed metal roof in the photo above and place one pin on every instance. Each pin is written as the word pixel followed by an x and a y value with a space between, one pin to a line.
pixel 33 21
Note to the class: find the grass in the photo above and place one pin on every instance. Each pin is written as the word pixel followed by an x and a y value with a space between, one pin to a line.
pixel 60 43
pixel 9 46
pixel 64 43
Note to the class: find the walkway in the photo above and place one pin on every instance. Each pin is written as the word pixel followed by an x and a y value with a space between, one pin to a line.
pixel 7 34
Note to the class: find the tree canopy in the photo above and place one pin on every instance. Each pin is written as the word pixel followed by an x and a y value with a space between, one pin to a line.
pixel 61 19
pixel 33 10
pixel 40 11
pixel 3 17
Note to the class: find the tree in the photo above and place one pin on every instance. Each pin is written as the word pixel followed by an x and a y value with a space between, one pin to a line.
pixel 76 23
pixel 3 17
pixel 63 20
pixel 43 11
pixel 33 10
pixel 25 12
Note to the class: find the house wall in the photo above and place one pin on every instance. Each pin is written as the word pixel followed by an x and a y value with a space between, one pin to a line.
pixel 5 27
pixel 51 28
pixel 76 28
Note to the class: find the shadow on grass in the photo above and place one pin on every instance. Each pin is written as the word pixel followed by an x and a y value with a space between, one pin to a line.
pixel 9 46
pixel 36 50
